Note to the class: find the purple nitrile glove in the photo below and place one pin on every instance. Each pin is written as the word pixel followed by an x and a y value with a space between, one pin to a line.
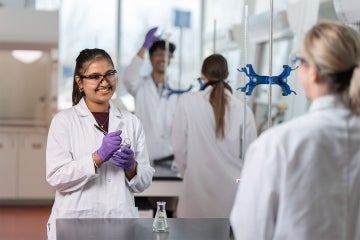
pixel 124 158
pixel 110 144
pixel 150 38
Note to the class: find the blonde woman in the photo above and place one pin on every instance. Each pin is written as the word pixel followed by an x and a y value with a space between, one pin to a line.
pixel 301 179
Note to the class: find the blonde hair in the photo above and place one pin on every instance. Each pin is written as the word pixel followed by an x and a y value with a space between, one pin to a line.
pixel 334 49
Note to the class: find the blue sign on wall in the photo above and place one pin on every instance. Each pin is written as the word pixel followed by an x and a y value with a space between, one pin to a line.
pixel 182 18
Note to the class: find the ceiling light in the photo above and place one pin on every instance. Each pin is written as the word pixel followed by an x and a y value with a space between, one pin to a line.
pixel 27 56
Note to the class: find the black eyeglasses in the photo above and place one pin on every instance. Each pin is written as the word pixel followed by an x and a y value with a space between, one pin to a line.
pixel 297 60
pixel 110 76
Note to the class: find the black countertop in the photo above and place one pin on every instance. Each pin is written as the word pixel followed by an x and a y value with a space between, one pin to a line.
pixel 165 170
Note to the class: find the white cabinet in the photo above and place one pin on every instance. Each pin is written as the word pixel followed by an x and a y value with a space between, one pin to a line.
pixel 27 100
pixel 32 167
pixel 22 157
pixel 8 166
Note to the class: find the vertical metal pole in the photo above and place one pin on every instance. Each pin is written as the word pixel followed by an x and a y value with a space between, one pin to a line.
pixel 214 37
pixel 245 105
pixel 166 35
pixel 180 56
pixel 118 42
pixel 202 27
pixel 118 35
pixel 270 63
pixel 166 81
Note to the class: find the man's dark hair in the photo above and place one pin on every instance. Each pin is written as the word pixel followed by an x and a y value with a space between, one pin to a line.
pixel 160 44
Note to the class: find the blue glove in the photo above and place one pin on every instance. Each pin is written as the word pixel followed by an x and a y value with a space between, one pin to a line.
pixel 110 144
pixel 150 38
pixel 124 158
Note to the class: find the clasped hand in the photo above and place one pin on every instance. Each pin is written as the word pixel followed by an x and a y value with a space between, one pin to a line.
pixel 111 147
pixel 124 158
pixel 110 144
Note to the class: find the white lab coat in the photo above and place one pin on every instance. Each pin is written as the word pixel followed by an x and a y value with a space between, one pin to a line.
pixel 155 112
pixel 80 191
pixel 209 166
pixel 301 180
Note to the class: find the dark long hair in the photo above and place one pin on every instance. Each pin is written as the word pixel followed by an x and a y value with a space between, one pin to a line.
pixel 215 69
pixel 85 58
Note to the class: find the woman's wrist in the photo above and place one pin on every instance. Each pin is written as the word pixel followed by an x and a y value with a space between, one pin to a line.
pixel 96 160
pixel 131 172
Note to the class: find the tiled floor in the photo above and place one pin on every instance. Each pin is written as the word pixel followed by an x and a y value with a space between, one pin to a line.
pixel 23 223
pixel 29 223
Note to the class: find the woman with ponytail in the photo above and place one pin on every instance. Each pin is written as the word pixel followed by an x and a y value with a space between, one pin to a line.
pixel 207 141
pixel 96 156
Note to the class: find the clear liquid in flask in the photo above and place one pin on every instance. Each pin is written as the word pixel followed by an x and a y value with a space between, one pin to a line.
pixel 160 222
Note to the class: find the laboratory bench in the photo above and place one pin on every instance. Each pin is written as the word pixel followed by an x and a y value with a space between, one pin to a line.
pixel 164 187
pixel 141 228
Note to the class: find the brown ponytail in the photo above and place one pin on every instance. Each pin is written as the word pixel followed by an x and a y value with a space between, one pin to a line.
pixel 215 69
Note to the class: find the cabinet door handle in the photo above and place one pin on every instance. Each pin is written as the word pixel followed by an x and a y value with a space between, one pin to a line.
pixel 36 146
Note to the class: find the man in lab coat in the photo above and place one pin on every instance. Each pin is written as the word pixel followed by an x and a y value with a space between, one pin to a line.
pixel 152 106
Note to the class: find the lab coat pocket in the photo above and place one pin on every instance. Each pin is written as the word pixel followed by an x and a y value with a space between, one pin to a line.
pixel 85 213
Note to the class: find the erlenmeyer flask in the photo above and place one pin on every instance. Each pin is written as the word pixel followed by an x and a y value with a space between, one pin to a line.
pixel 160 221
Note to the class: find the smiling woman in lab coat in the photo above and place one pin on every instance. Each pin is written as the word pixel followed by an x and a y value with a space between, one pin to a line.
pixel 301 179
pixel 95 177
pixel 207 135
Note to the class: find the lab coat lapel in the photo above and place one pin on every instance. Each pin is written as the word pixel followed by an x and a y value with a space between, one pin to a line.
pixel 116 119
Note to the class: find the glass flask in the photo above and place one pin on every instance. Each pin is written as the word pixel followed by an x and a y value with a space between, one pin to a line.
pixel 160 221
pixel 126 142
